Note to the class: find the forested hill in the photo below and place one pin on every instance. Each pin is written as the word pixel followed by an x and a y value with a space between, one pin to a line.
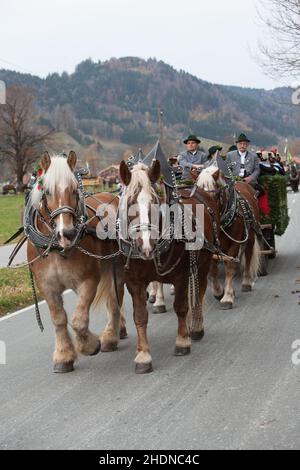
pixel 118 99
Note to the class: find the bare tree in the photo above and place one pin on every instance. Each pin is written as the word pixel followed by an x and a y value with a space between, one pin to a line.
pixel 21 139
pixel 281 57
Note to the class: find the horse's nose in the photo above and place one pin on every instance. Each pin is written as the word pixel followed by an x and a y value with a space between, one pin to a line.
pixel 69 234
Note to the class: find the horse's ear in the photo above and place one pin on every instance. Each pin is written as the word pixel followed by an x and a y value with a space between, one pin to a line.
pixel 125 173
pixel 216 175
pixel 154 172
pixel 45 161
pixel 72 160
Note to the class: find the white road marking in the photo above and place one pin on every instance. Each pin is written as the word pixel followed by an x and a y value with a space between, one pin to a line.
pixel 19 312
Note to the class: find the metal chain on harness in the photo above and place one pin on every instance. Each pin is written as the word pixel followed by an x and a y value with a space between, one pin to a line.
pixel 194 288
pixel 98 257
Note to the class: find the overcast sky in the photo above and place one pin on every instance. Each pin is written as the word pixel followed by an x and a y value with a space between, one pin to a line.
pixel 216 40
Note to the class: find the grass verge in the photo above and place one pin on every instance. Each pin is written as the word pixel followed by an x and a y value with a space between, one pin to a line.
pixel 15 290
pixel 10 215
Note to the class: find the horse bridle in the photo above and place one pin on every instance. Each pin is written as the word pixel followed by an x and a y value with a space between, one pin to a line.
pixel 128 246
pixel 42 241
pixel 63 210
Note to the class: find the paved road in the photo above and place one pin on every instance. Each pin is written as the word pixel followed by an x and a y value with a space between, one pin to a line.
pixel 5 252
pixel 238 390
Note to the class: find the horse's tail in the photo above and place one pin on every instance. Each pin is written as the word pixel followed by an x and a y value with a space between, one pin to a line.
pixel 255 259
pixel 106 290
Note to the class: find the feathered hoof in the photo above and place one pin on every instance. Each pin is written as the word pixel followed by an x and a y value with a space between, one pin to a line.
pixel 63 367
pixel 246 288
pixel 152 299
pixel 263 274
pixel 97 350
pixel 226 306
pixel 109 347
pixel 219 297
pixel 123 333
pixel 182 351
pixel 197 335
pixel 142 369
pixel 160 309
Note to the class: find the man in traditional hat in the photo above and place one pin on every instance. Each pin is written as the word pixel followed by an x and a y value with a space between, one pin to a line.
pixel 212 153
pixel 193 158
pixel 274 163
pixel 243 163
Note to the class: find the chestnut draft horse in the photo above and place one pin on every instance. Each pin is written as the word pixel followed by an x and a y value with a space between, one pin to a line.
pixel 172 267
pixel 58 212
pixel 239 239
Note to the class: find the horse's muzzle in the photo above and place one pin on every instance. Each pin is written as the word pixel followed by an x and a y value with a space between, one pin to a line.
pixel 70 234
pixel 67 237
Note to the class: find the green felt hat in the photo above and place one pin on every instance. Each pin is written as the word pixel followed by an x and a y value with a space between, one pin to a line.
pixel 242 138
pixel 214 149
pixel 192 138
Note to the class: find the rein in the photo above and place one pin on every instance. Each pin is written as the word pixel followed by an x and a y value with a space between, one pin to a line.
pixel 129 249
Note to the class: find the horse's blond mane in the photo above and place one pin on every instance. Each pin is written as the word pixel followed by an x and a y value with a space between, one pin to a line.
pixel 206 180
pixel 139 180
pixel 58 177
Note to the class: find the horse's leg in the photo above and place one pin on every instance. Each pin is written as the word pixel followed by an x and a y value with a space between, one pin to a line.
pixel 152 292
pixel 181 307
pixel 217 288
pixel 116 325
pixel 251 264
pixel 123 328
pixel 160 305
pixel 86 342
pixel 229 295
pixel 143 359
pixel 64 354
pixel 197 330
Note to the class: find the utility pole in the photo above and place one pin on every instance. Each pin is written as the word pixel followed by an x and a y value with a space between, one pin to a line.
pixel 160 115
pixel 286 152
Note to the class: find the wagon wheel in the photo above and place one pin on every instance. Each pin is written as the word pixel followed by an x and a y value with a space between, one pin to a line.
pixel 272 242
pixel 264 261
pixel 269 235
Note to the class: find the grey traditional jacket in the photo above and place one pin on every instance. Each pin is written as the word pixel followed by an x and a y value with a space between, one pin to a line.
pixel 252 167
pixel 187 160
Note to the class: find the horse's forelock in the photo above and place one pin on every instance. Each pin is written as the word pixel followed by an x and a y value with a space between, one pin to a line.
pixel 58 177
pixel 139 181
pixel 206 180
